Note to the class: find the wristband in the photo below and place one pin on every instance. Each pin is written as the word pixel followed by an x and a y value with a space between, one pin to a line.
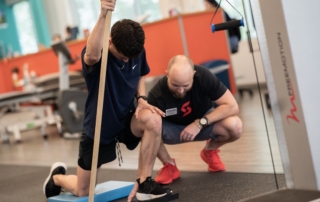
pixel 143 97
pixel 198 124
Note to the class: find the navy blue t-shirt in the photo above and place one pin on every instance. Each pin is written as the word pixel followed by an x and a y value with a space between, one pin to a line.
pixel 121 87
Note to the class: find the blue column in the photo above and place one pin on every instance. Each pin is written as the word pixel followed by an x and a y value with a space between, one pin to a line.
pixel 8 33
pixel 40 22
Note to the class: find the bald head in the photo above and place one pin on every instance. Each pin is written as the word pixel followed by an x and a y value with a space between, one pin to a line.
pixel 180 63
pixel 180 75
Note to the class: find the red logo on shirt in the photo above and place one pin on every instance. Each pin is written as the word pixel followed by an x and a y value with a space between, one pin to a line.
pixel 186 109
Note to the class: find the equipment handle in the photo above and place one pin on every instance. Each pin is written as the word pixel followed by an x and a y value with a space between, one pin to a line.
pixel 103 74
pixel 227 25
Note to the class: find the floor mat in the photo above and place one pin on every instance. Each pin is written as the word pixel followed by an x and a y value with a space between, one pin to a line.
pixel 24 183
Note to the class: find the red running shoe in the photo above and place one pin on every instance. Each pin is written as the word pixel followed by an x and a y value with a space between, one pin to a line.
pixel 212 158
pixel 168 173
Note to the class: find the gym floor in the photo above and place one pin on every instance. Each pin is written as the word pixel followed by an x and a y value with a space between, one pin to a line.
pixel 250 154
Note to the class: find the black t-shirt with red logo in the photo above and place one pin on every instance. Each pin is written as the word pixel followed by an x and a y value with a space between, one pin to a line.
pixel 205 89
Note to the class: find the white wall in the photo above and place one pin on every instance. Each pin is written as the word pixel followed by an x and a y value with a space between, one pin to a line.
pixel 304 40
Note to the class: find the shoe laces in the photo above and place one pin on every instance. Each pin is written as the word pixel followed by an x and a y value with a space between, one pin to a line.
pixel 149 185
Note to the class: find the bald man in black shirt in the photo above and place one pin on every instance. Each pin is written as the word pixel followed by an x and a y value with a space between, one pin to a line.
pixel 187 96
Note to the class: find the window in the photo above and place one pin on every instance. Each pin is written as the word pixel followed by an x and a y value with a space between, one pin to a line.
pixel 124 9
pixel 87 13
pixel 89 10
pixel 149 8
pixel 25 26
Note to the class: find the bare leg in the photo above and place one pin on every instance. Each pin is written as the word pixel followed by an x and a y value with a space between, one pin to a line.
pixel 163 154
pixel 149 127
pixel 226 130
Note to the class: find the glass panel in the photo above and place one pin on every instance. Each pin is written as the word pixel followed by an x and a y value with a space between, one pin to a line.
pixel 87 13
pixel 150 8
pixel 89 10
pixel 25 26
pixel 125 9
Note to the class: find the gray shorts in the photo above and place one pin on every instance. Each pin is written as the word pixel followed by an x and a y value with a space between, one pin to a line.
pixel 171 132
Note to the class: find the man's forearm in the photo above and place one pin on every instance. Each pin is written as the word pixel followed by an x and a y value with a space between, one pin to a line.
pixel 141 90
pixel 222 112
pixel 95 42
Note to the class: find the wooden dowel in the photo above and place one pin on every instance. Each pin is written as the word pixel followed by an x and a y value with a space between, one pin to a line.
pixel 103 74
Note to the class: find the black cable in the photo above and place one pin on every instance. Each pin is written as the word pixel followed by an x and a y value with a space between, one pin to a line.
pixel 234 8
pixel 259 89
pixel 219 7
pixel 215 12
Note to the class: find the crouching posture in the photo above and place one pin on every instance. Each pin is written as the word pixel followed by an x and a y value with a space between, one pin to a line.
pixel 198 107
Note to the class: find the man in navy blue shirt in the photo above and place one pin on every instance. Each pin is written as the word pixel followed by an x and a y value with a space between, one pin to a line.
pixel 121 120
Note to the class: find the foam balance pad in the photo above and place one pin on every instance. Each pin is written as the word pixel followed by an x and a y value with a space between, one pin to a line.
pixel 107 191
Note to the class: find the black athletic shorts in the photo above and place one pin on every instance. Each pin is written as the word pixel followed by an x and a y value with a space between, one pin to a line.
pixel 107 153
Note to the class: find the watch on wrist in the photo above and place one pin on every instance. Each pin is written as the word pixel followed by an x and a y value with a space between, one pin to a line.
pixel 143 97
pixel 203 121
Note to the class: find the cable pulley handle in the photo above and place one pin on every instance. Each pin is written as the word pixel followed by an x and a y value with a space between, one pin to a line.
pixel 227 25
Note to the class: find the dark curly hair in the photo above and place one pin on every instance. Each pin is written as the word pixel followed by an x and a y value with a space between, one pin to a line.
pixel 128 38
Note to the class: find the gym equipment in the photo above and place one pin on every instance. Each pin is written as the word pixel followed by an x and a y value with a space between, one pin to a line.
pixel 107 191
pixel 15 118
pixel 70 101
pixel 39 114
pixel 226 25
pixel 71 109
pixel 291 75
pixel 27 118
pixel 65 58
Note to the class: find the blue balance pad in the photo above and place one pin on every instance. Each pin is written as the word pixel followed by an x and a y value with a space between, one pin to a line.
pixel 104 192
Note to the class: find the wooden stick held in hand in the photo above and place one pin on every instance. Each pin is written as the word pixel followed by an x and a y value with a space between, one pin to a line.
pixel 103 74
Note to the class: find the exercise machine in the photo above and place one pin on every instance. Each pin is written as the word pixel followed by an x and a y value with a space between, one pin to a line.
pixel 70 102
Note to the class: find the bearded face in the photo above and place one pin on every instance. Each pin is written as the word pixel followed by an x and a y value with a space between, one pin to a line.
pixel 177 90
